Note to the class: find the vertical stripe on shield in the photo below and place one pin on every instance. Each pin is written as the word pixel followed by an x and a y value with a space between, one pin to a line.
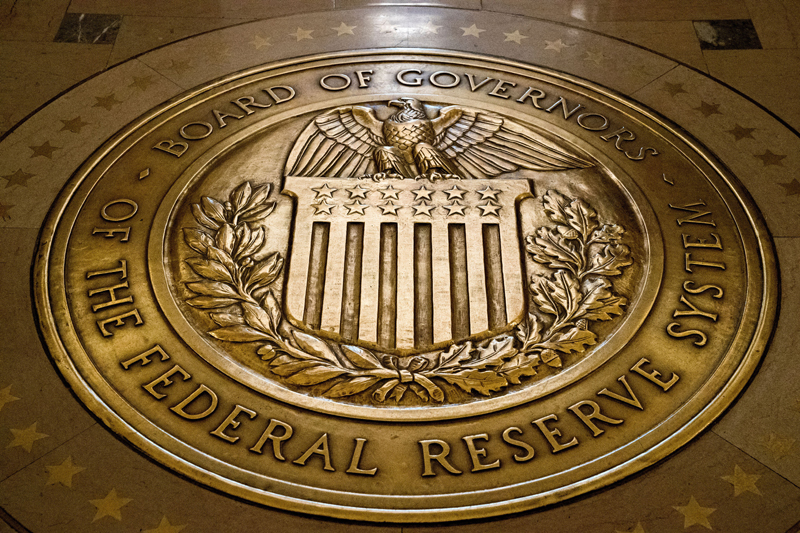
pixel 387 287
pixel 423 286
pixel 318 258
pixel 459 283
pixel 351 285
pixel 493 265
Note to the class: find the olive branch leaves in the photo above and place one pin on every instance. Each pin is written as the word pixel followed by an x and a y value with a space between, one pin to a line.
pixel 236 291
pixel 583 255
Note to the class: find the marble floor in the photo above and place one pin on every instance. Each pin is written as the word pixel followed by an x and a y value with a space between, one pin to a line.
pixel 72 72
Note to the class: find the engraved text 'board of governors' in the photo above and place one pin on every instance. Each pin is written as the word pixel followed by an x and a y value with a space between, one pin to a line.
pixel 404 287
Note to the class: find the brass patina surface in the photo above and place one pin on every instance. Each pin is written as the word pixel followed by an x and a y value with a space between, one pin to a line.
pixel 405 287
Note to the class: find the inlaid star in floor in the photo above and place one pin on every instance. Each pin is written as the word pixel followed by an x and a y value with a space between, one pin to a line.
pixel 792 188
pixel 740 132
pixel 301 34
pixel 516 37
pixel 106 102
pixel 473 30
pixel 6 397
pixel 63 473
pixel 44 150
pixel 4 215
pixel 110 506
pixel 708 109
pixel 596 57
pixel 674 89
pixel 179 67
pixel 556 45
pixel 141 83
pixel 430 27
pixel 768 158
pixel 25 438
pixel 637 529
pixel 778 446
pixel 165 527
pixel 74 125
pixel 344 29
pixel 742 482
pixel 17 178
pixel 693 513
pixel 260 42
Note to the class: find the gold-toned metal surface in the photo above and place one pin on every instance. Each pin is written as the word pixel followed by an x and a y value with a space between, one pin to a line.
pixel 405 287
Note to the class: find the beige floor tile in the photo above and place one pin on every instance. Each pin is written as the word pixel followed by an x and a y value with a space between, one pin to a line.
pixel 675 39
pixel 650 499
pixel 461 4
pixel 139 34
pixel 773 23
pixel 31 21
pixel 153 493
pixel 32 73
pixel 247 9
pixel 634 10
pixel 765 422
pixel 42 398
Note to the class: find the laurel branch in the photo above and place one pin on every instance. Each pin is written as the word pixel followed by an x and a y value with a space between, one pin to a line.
pixel 237 290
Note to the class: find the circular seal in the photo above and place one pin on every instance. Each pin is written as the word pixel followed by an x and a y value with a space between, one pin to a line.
pixel 405 286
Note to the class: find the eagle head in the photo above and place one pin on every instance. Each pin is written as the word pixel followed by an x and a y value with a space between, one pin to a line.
pixel 411 109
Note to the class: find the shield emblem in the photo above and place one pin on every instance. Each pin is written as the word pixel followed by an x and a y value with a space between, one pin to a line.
pixel 405 265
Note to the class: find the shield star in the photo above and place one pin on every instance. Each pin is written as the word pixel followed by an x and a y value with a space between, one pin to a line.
pixel 389 192
pixel 742 482
pixel 260 42
pixel 423 209
pixel 473 31
pixel 389 208
pixel 358 192
pixel 25 438
pixel 556 45
pixel 301 34
pixel 355 208
pixel 740 132
pixel 516 37
pixel 344 29
pixel 324 191
pixel 63 473
pixel 18 178
pixel 791 188
pixel 454 192
pixel 455 209
pixel 6 397
pixel 487 193
pixel 422 193
pixel 323 207
pixel 165 527
pixel 74 125
pixel 488 209
pixel 693 513
pixel 106 102
pixel 45 150
pixel 768 158
pixel 109 506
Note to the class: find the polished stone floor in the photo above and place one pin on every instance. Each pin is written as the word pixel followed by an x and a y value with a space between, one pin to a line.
pixel 73 72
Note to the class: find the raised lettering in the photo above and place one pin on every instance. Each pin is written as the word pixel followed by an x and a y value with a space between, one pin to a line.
pixel 410 83
pixel 501 87
pixel 356 459
pixel 231 422
pixel 318 448
pixel 693 311
pixel 246 102
pixel 112 293
pixel 654 375
pixel 529 451
pixel 144 357
pixel 164 381
pixel 208 130
pixel 277 440
pixel 673 332
pixel 180 409
pixel 476 453
pixel 133 207
pixel 171 147
pixel 220 116
pixel 529 93
pixel 475 86
pixel 441 457
pixel 434 79
pixel 696 214
pixel 631 399
pixel 689 263
pixel 703 288
pixel 119 321
pixel 587 418
pixel 701 243
pixel 346 82
pixel 551 434
pixel 109 233
pixel 567 112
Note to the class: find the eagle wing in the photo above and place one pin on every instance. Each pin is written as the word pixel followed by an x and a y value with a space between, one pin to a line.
pixel 338 143
pixel 484 145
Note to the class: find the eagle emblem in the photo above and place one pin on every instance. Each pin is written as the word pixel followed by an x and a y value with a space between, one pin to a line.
pixel 459 142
